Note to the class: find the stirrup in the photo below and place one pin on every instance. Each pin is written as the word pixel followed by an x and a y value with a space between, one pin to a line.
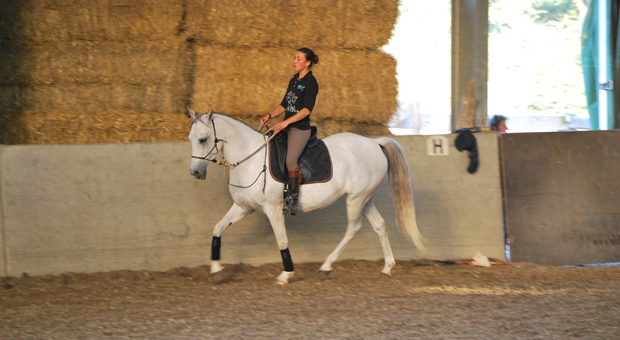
pixel 290 208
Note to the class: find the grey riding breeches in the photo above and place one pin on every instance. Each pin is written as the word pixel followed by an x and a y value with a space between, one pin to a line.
pixel 297 140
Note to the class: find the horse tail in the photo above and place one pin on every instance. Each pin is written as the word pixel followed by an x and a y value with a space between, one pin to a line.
pixel 399 180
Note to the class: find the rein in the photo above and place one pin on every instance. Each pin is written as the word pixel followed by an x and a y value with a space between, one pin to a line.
pixel 223 161
pixel 234 164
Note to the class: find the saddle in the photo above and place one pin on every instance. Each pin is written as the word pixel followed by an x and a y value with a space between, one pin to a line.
pixel 315 161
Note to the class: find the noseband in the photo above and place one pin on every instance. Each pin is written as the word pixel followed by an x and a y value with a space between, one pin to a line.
pixel 215 141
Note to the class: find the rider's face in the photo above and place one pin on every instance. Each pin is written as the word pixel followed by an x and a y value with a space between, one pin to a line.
pixel 502 126
pixel 300 63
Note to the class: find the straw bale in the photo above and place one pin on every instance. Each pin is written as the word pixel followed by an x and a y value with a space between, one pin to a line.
pixel 45 127
pixel 329 127
pixel 93 76
pixel 317 24
pixel 369 23
pixel 240 81
pixel 10 99
pixel 10 58
pixel 135 63
pixel 67 20
pixel 102 97
pixel 356 86
pixel 355 24
pixel 9 128
pixel 237 22
pixel 81 71
pixel 38 127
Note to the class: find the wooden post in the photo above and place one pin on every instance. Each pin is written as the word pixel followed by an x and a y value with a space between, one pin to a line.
pixel 470 36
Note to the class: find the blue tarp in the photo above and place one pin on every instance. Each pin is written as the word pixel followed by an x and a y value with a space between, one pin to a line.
pixel 590 64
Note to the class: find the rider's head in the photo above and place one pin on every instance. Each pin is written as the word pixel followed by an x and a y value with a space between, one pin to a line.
pixel 309 56
pixel 498 123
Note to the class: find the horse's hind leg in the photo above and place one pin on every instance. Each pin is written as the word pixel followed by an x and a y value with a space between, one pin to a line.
pixel 354 217
pixel 378 224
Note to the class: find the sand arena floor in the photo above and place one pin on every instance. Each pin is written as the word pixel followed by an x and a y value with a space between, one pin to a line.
pixel 421 300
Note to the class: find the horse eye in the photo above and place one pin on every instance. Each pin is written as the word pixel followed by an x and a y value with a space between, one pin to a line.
pixel 202 140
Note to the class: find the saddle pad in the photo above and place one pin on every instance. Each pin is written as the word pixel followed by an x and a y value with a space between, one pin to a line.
pixel 315 163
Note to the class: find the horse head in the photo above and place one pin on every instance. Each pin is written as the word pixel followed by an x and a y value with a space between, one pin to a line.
pixel 204 142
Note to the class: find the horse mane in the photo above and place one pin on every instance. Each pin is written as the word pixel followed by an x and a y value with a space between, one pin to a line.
pixel 235 119
pixel 199 118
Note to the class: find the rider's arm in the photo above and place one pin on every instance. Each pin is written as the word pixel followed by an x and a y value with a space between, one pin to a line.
pixel 277 111
pixel 274 113
pixel 303 113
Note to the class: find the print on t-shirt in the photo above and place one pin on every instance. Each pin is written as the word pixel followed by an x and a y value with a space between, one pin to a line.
pixel 291 99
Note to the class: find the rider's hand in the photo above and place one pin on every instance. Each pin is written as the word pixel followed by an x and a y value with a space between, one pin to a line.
pixel 279 127
pixel 264 120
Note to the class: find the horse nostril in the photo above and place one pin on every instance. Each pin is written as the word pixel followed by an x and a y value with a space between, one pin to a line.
pixel 196 174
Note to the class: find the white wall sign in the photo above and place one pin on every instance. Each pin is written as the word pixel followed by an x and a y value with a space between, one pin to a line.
pixel 437 146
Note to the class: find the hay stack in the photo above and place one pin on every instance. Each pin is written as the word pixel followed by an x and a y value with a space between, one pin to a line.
pixel 369 23
pixel 326 127
pixel 84 62
pixel 97 76
pixel 82 71
pixel 41 21
pixel 69 65
pixel 355 86
pixel 330 24
pixel 240 81
pixel 108 127
pixel 358 86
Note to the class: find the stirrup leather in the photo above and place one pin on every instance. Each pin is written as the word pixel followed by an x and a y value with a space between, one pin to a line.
pixel 292 192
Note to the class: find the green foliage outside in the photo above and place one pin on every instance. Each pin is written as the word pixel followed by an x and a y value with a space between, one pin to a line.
pixel 534 56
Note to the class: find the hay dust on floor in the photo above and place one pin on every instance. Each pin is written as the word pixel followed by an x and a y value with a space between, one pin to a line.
pixel 421 300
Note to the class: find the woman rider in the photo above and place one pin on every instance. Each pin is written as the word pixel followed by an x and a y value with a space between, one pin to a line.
pixel 297 105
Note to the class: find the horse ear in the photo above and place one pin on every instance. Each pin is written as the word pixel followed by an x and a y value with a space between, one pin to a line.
pixel 210 115
pixel 191 113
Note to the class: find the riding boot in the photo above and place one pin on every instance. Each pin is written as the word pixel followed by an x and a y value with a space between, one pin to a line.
pixel 292 199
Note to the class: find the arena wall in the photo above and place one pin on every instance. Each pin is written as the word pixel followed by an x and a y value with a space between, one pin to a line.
pixel 103 207
pixel 563 196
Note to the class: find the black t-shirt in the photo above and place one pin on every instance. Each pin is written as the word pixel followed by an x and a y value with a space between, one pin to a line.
pixel 301 93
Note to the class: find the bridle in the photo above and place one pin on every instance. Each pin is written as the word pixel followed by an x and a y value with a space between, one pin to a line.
pixel 232 165
pixel 215 141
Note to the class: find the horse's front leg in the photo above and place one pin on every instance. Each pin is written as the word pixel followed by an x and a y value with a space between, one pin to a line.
pixel 234 214
pixel 274 213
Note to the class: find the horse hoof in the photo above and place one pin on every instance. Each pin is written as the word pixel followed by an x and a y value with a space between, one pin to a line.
pixel 323 274
pixel 219 277
pixel 283 278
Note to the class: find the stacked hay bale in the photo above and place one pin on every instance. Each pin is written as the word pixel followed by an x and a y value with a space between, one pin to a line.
pixel 244 58
pixel 81 71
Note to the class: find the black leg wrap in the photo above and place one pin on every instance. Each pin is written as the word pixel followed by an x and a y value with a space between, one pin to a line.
pixel 287 260
pixel 215 248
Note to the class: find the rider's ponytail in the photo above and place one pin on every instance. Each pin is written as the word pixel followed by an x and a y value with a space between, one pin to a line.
pixel 310 56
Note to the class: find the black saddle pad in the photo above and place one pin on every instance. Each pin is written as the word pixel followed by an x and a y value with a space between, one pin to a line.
pixel 315 161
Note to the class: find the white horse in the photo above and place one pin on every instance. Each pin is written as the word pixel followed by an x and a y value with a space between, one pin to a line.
pixel 359 166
